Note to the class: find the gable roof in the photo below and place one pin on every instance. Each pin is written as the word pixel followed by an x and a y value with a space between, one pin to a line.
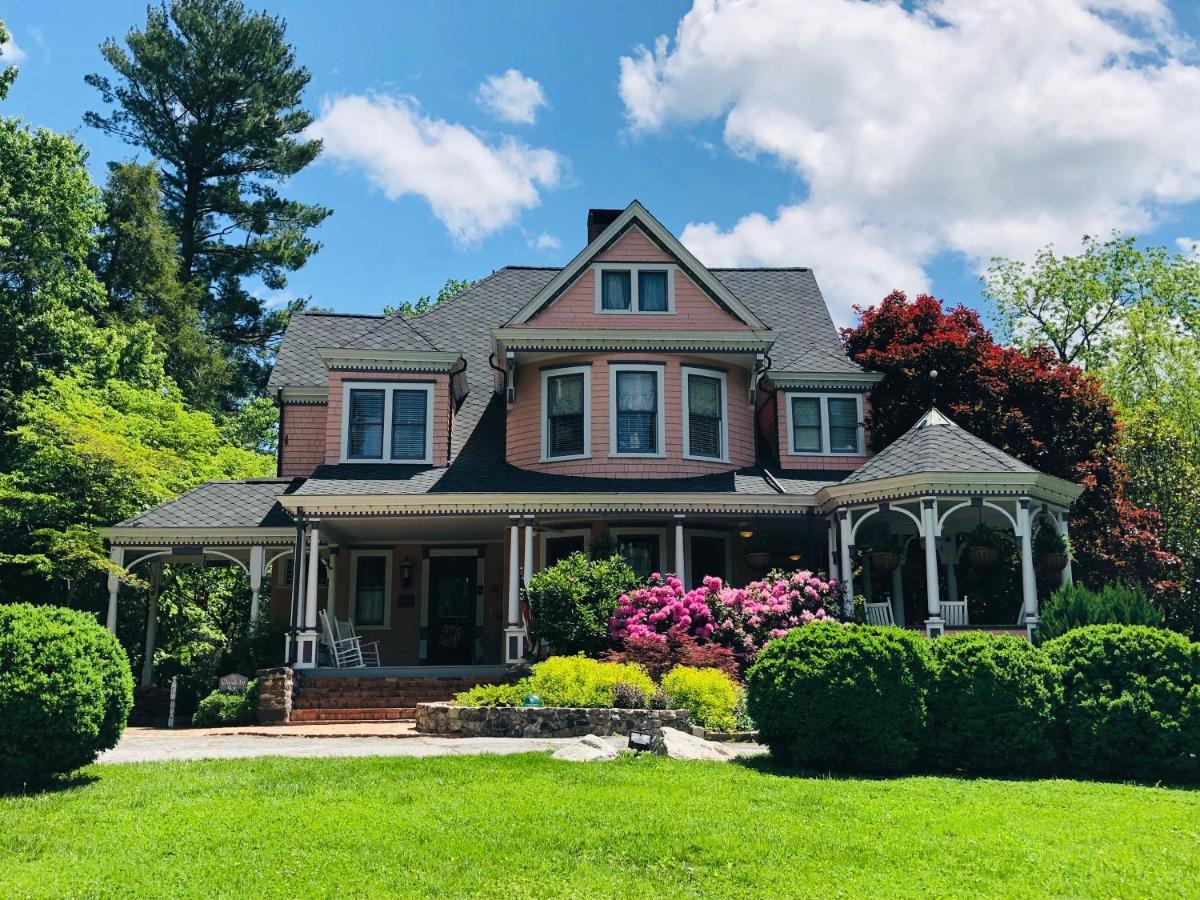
pixel 936 445
pixel 297 362
pixel 636 214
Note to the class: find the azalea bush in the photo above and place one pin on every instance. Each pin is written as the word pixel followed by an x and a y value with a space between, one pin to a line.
pixel 746 618
pixel 660 611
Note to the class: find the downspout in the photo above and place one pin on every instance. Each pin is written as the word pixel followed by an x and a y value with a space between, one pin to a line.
pixel 279 441
pixel 501 369
pixel 763 449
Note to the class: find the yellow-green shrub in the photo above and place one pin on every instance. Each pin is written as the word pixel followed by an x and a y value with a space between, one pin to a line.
pixel 709 695
pixel 579 681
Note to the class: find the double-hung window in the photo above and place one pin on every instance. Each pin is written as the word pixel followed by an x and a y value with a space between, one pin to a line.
pixel 824 424
pixel 387 422
pixel 704 414
pixel 635 288
pixel 637 411
pixel 566 413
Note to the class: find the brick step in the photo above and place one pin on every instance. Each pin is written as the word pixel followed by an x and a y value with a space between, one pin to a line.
pixel 325 701
pixel 402 684
pixel 374 714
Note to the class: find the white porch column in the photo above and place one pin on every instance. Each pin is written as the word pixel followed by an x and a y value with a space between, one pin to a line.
pixel 845 573
pixel 933 600
pixel 680 557
pixel 256 577
pixel 1068 577
pixel 898 596
pixel 1028 581
pixel 117 557
pixel 527 568
pixel 309 576
pixel 514 633
pixel 151 623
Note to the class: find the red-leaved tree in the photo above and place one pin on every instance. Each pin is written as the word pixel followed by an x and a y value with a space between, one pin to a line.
pixel 1050 415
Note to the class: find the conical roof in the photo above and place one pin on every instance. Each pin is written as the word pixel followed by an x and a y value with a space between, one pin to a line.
pixel 936 445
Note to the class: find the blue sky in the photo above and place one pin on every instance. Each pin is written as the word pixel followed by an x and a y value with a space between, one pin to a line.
pixel 882 145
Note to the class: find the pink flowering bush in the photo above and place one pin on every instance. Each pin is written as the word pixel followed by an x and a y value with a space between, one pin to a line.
pixel 661 611
pixel 746 618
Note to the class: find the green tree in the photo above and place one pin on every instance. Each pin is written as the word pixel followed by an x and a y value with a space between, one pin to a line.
pixel 213 92
pixel 9 74
pixel 409 308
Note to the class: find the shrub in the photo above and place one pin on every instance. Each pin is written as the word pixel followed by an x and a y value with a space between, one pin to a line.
pixel 747 618
pixel 1130 702
pixel 990 705
pixel 629 696
pixel 579 681
pixel 658 657
pixel 709 695
pixel 220 709
pixel 510 694
pixel 833 696
pixel 572 601
pixel 65 692
pixel 1074 606
pixel 661 611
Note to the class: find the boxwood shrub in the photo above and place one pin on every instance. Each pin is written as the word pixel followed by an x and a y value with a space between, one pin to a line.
pixel 846 697
pixel 572 601
pixel 990 705
pixel 710 696
pixel 65 692
pixel 220 709
pixel 1130 702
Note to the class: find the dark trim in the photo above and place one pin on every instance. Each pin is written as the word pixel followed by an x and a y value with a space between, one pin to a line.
pixel 390 381
pixel 554 366
pixel 478 549
pixel 280 441
pixel 635 362
pixel 687 365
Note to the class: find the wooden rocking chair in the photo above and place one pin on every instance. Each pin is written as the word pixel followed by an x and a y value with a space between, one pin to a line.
pixel 368 651
pixel 344 653
pixel 954 613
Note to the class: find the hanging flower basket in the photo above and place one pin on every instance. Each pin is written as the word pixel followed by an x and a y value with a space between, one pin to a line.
pixel 884 560
pixel 983 557
pixel 758 559
pixel 1050 564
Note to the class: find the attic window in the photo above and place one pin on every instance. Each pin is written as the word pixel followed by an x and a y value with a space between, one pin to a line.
pixel 635 288
pixel 387 422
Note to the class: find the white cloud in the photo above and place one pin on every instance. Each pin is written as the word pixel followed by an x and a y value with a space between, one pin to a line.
pixel 1189 247
pixel 474 187
pixel 545 241
pixel 512 97
pixel 11 53
pixel 975 127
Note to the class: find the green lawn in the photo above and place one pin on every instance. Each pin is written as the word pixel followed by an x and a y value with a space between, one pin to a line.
pixel 531 826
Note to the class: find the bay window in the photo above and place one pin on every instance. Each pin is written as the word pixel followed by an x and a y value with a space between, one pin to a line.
pixel 565 413
pixel 636 414
pixel 704 414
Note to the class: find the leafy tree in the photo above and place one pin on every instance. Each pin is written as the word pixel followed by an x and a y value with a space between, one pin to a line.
pixel 254 427
pixel 1031 404
pixel 9 74
pixel 448 291
pixel 213 92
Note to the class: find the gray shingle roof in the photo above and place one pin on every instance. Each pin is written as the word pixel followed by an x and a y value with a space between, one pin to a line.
pixel 936 444
pixel 297 363
pixel 250 503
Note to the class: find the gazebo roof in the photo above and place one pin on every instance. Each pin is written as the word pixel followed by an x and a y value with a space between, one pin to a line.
pixel 936 445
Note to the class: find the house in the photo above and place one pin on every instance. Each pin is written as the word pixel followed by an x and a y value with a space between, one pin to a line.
pixel 706 420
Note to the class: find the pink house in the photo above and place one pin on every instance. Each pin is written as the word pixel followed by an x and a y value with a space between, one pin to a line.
pixel 705 420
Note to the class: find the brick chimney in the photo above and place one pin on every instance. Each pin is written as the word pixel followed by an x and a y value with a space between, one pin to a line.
pixel 599 219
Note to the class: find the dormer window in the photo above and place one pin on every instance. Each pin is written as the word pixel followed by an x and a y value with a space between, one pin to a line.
pixel 635 288
pixel 825 425
pixel 387 422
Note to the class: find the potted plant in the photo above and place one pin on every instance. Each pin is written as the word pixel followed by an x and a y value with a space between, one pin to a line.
pixel 1050 551
pixel 758 551
pixel 885 551
pixel 984 544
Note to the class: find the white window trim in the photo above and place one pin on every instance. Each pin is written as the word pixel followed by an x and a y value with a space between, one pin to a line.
pixel 660 533
pixel 545 535
pixel 824 407
pixel 547 374
pixel 355 555
pixel 633 269
pixel 687 432
pixel 388 388
pixel 688 533
pixel 661 442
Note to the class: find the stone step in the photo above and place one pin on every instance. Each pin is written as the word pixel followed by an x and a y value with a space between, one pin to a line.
pixel 372 714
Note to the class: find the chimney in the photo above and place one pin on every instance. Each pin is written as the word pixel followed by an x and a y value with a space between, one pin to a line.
pixel 599 219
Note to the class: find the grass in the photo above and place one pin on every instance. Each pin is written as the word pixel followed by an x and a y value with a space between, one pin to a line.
pixel 530 826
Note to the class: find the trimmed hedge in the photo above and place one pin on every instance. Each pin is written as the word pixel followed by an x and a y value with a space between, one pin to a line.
pixel 710 695
pixel 1130 702
pixel 1074 606
pixel 847 697
pixel 990 705
pixel 65 692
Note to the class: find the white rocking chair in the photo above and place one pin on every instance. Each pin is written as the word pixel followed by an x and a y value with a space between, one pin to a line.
pixel 344 653
pixel 370 652
pixel 954 613
pixel 880 614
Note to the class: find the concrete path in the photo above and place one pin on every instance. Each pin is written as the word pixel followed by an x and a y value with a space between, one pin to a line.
pixel 399 739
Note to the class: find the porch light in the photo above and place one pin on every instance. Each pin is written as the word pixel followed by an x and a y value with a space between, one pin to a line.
pixel 639 741
pixel 406 570
pixel 746 532
pixel 794 557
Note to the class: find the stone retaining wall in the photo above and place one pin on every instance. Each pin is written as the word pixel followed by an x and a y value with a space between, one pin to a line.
pixel 275 695
pixel 543 721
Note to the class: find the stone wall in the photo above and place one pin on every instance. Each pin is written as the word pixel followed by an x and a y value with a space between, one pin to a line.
pixel 543 721
pixel 275 695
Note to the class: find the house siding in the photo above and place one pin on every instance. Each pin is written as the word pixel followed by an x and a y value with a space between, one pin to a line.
pixel 524 425
pixel 302 442
pixel 441 409
pixel 694 309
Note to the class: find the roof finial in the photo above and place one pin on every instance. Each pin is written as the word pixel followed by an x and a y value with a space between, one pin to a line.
pixel 933 388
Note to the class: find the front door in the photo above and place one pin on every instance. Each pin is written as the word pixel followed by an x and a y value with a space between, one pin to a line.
pixel 452 606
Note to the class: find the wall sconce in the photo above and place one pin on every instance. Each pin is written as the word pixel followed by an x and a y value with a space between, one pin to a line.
pixel 745 531
pixel 794 557
pixel 406 570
